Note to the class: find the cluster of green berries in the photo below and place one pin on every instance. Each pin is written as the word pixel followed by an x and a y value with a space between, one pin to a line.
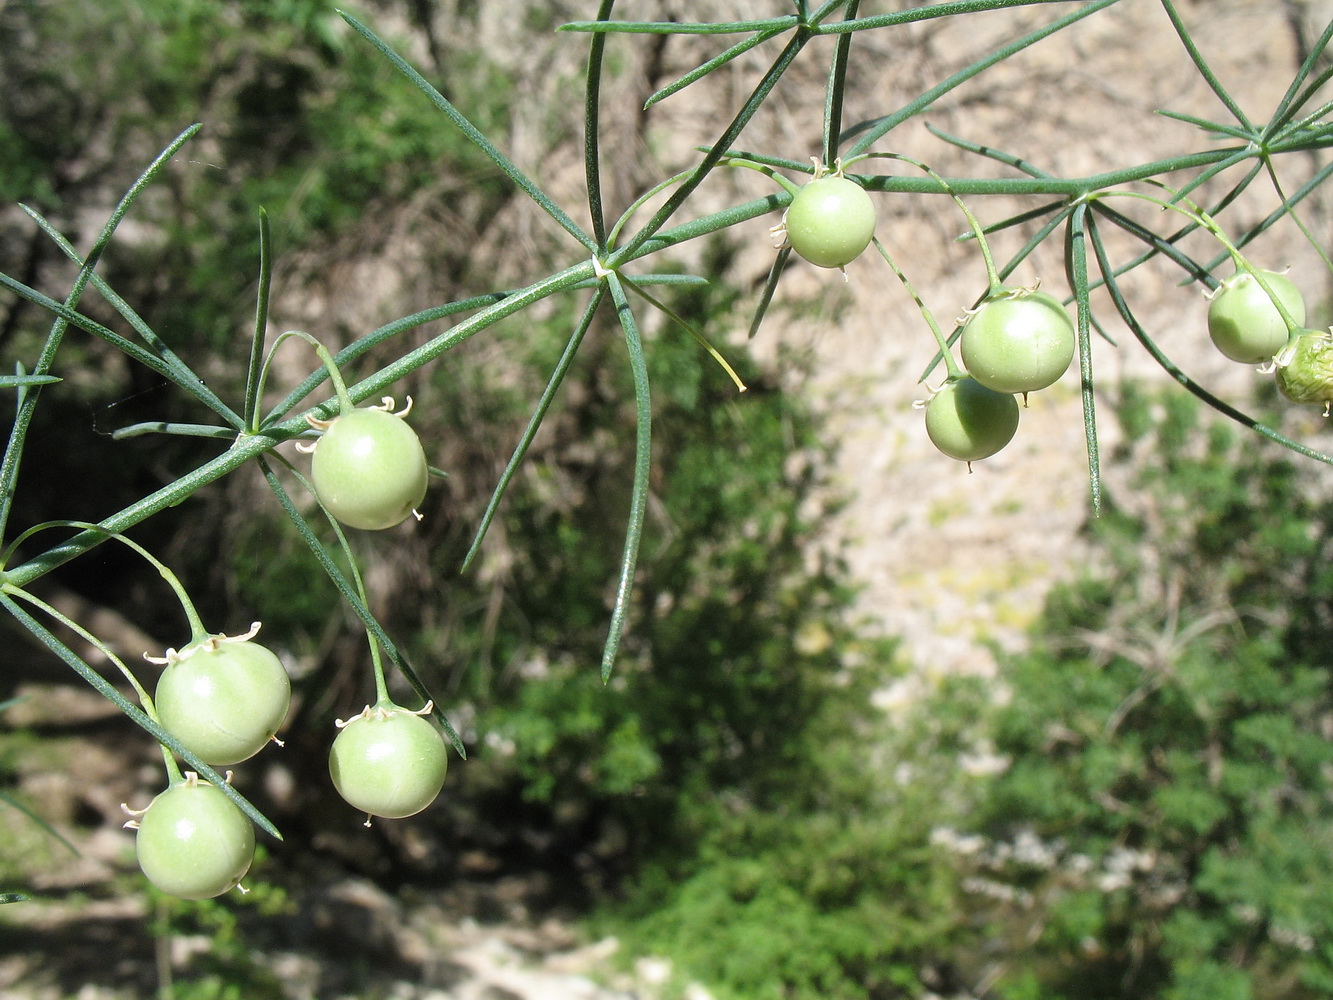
pixel 1246 325
pixel 226 697
pixel 1018 341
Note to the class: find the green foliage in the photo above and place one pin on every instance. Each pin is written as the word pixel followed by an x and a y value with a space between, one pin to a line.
pixel 1162 828
pixel 1168 735
pixel 32 836
pixel 833 886
pixel 229 969
pixel 717 697
pixel 725 797
pixel 285 132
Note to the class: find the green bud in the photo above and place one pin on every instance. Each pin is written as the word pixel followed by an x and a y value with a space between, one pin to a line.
pixel 1304 369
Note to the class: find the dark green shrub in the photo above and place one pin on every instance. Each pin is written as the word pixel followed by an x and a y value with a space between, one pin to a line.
pixel 1166 810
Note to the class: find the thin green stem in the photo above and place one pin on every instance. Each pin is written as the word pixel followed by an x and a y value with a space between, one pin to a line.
pixel 1291 212
pixel 770 286
pixel 460 122
pixel 952 367
pixel 602 27
pixel 1204 220
pixel 1314 183
pixel 361 346
pixel 349 591
pixel 990 152
pixel 185 377
pixel 643 199
pixel 374 385
pixel 1290 104
pixel 22 381
pixel 172 370
pixel 382 699
pixel 174 776
pixel 345 404
pixel 55 614
pixel 135 713
pixel 689 327
pixel 1312 120
pixel 242 451
pixel 1234 131
pixel 1204 69
pixel 249 446
pixel 171 427
pixel 343 543
pixel 1157 244
pixel 197 631
pixel 1073 188
pixel 925 12
pixel 1215 170
pixel 875 130
pixel 750 161
pixel 994 285
pixel 718 61
pixel 716 153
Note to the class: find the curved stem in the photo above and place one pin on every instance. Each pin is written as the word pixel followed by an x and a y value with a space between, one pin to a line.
pixel 954 369
pixel 174 776
pixel 136 714
pixel 993 282
pixel 345 404
pixel 377 665
pixel 640 201
pixel 643 437
pixel 1291 212
pixel 689 327
pixel 197 631
pixel 144 699
pixel 351 592
pixel 1076 270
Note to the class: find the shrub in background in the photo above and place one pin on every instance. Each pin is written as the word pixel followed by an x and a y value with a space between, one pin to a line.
pixel 1164 827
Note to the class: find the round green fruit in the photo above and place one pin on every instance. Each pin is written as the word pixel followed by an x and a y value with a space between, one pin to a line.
pixel 1018 341
pixel 1243 322
pixel 194 842
pixel 969 422
pixel 388 762
pixel 369 469
pixel 224 699
pixel 830 221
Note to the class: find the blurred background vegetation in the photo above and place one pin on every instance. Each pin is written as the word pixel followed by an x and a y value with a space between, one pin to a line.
pixel 1138 806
